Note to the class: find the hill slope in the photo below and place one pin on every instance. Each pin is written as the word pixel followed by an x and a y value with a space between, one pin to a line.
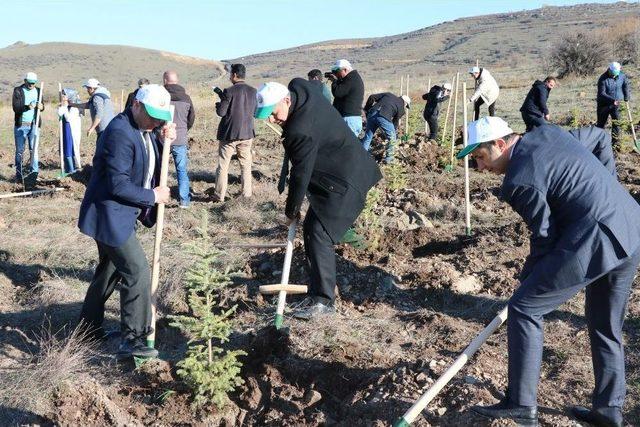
pixel 515 40
pixel 117 67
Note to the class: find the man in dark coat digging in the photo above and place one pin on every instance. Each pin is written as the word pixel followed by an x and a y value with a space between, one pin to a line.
pixel 329 165
pixel 534 108
pixel 585 234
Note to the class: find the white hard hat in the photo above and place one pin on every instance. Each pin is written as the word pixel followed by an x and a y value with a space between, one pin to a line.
pixel 31 77
pixel 92 83
pixel 406 100
pixel 157 101
pixel 484 130
pixel 341 64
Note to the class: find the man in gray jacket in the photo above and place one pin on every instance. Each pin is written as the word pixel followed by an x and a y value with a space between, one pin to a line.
pixel 183 117
pixel 585 234
pixel 100 106
pixel 235 132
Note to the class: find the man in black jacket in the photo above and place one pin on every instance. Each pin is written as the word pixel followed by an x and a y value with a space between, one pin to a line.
pixel 613 88
pixel 435 96
pixel 235 132
pixel 534 109
pixel 24 102
pixel 183 117
pixel 330 167
pixel 348 94
pixel 384 111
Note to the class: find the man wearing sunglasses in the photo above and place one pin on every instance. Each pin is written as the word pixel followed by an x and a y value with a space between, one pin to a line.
pixel 123 190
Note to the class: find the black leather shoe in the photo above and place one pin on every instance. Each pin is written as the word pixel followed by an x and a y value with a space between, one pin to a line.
pixel 135 348
pixel 523 415
pixel 313 310
pixel 602 417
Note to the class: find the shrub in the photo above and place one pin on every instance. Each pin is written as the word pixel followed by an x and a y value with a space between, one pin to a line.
pixel 396 176
pixel 210 371
pixel 577 54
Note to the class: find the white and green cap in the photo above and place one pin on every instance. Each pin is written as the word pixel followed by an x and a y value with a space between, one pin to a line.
pixel 268 96
pixel 156 101
pixel 484 130
pixel 31 77
pixel 92 83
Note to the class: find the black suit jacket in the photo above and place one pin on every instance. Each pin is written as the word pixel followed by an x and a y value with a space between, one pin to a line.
pixel 236 107
pixel 328 162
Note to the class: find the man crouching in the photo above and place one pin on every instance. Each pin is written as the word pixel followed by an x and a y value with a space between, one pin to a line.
pixel 329 165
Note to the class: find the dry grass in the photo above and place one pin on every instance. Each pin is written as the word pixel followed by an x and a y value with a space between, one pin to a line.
pixel 60 359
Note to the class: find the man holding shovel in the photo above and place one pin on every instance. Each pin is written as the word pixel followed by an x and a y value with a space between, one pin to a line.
pixel 584 235
pixel 25 102
pixel 330 166
pixel 121 192
pixel 613 88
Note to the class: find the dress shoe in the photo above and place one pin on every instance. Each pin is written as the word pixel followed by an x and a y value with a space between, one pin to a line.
pixel 135 348
pixel 601 417
pixel 523 415
pixel 312 310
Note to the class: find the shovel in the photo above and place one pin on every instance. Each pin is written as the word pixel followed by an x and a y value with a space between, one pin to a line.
pixel 284 286
pixel 636 146
pixel 444 379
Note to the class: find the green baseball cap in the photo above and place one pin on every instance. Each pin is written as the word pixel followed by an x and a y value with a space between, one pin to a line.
pixel 467 150
pixel 268 97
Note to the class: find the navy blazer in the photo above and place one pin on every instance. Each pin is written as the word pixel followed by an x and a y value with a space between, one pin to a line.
pixel 115 196
pixel 583 222
pixel 598 141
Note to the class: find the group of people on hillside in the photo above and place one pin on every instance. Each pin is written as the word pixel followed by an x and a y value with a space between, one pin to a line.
pixel 584 225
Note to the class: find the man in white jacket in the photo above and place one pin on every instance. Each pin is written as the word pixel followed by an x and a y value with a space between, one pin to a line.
pixel 487 91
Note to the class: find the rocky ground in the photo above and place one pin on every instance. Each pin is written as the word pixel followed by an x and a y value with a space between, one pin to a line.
pixel 408 303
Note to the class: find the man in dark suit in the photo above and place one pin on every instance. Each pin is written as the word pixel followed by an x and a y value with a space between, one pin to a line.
pixel 235 132
pixel 534 108
pixel 330 166
pixel 122 190
pixel 585 234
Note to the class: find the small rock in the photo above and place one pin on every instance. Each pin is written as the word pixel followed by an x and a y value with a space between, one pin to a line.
pixel 466 285
pixel 441 411
pixel 433 364
pixel 421 377
pixel 311 397
pixel 470 380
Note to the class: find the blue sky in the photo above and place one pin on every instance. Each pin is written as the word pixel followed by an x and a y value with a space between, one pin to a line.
pixel 218 29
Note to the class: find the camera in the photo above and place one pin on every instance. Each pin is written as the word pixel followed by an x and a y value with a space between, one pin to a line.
pixel 328 75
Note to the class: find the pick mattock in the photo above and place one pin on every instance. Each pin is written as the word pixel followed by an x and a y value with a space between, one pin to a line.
pixel 284 285
pixel 444 379
pixel 633 128
pixel 155 268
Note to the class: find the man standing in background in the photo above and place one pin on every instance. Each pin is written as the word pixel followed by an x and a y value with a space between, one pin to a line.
pixel 487 91
pixel 435 96
pixel 612 88
pixel 141 83
pixel 347 88
pixel 24 103
pixel 315 77
pixel 235 132
pixel 100 106
pixel 183 117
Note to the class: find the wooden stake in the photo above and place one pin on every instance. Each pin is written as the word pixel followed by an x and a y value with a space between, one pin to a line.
pixel 467 199
pixel 155 267
pixel 426 125
pixel 444 379
pixel 121 100
pixel 36 129
pixel 401 93
pixel 406 120
pixel 453 126
pixel 446 117
pixel 61 134
pixel 284 279
pixel 30 193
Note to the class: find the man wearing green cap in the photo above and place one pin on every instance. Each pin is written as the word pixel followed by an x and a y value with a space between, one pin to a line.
pixel 330 167
pixel 24 102
pixel 584 235
pixel 123 190
pixel 613 88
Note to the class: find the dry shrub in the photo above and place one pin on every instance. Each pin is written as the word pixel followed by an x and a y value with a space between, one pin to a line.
pixel 624 38
pixel 577 54
pixel 60 359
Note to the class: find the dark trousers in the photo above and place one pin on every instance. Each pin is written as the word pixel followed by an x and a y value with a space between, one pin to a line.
pixel 532 121
pixel 321 256
pixel 604 112
pixel 128 265
pixel 476 109
pixel 432 120
pixel 606 302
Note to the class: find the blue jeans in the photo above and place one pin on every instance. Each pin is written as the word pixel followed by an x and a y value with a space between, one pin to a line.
pixel 21 135
pixel 375 121
pixel 354 123
pixel 181 160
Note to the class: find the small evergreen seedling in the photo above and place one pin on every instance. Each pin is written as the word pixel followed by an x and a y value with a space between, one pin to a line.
pixel 210 371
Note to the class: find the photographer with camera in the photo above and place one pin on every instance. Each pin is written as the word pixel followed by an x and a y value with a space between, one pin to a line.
pixel 347 88
pixel 235 132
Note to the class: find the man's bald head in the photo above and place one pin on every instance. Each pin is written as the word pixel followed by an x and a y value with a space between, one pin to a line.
pixel 170 78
